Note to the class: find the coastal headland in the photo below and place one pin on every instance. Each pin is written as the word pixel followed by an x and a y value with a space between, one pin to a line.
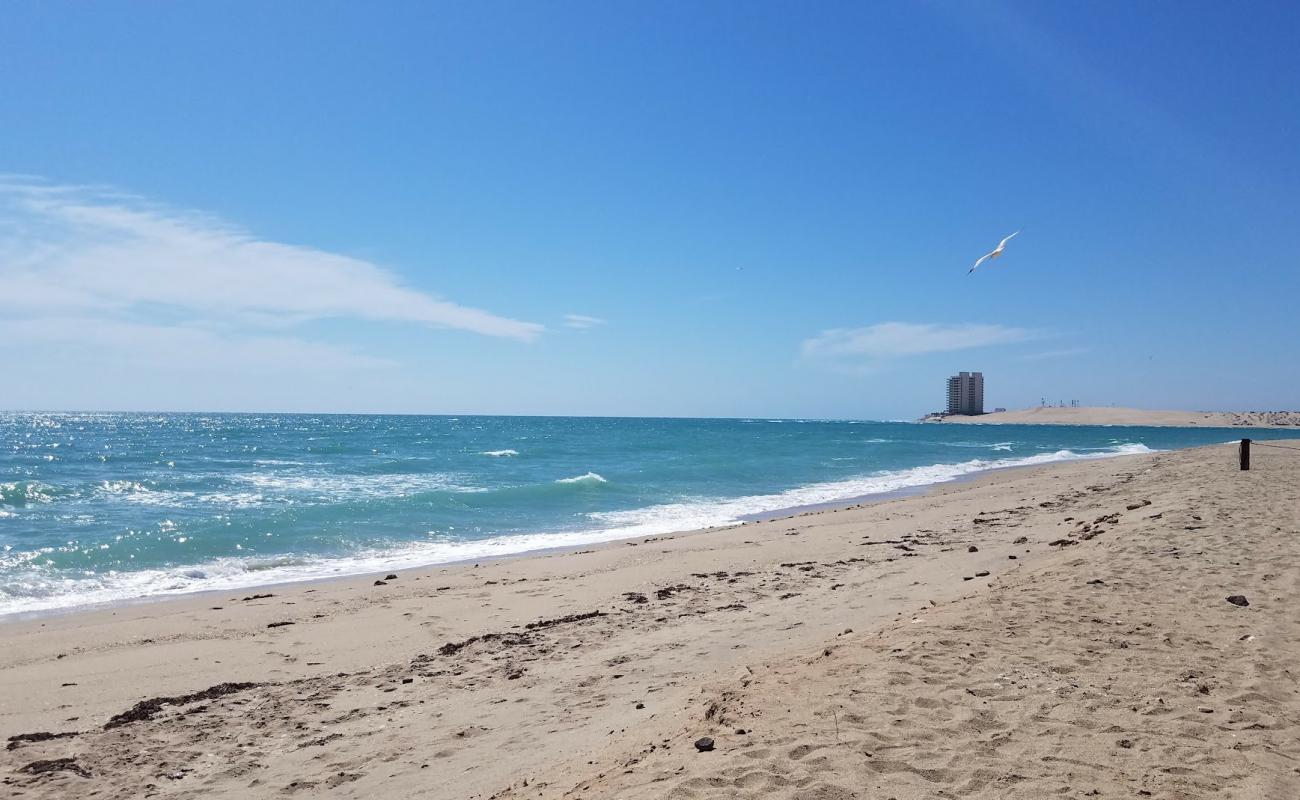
pixel 1119 627
pixel 1049 415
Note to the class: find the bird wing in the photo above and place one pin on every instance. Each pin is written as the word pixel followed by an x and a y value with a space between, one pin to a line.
pixel 1003 243
pixel 983 258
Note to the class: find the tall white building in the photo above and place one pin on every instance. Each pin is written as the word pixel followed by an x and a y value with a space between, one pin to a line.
pixel 966 393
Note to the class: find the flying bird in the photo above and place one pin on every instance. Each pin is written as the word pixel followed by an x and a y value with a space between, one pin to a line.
pixel 997 251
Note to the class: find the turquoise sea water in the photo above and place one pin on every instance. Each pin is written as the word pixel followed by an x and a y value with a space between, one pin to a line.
pixel 109 507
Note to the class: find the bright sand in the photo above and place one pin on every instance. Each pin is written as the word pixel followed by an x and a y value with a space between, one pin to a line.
pixel 848 646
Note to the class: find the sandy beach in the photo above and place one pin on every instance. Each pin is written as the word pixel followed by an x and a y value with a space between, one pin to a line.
pixel 1063 630
pixel 1048 415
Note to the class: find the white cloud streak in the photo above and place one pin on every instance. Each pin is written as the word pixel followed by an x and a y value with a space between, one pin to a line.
pixel 74 252
pixel 890 340
pixel 582 322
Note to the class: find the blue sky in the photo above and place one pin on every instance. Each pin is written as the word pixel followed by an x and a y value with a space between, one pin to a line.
pixel 713 209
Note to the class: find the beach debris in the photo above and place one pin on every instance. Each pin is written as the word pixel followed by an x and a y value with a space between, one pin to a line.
pixel 147 709
pixel 55 765
pixel 452 648
pixel 1096 582
pixel 1238 600
pixel 255 597
pixel 1020 540
pixel 972 549
pixel 1062 543
pixel 704 744
pixel 1205 709
pixel 983 574
pixel 1136 506
pixel 278 624
pixel 1127 744
pixel 640 706
pixel 390 577
pixel 546 623
pixel 18 740
pixel 380 583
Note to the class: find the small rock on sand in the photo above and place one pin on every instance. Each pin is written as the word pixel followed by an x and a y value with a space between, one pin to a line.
pixel 1238 600
pixel 704 745
pixel 972 549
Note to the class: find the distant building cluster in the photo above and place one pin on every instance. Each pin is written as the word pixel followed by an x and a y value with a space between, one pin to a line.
pixel 966 393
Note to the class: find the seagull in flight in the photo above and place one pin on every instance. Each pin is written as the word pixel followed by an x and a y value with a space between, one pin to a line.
pixel 997 251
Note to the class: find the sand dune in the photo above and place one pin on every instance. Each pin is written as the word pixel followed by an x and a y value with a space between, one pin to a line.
pixel 1060 631
pixel 1132 416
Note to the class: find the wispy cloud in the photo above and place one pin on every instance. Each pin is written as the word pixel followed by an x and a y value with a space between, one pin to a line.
pixel 890 340
pixel 582 322
pixel 138 278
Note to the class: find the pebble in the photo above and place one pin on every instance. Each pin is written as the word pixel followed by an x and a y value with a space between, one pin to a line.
pixel 972 549
pixel 1238 600
pixel 704 745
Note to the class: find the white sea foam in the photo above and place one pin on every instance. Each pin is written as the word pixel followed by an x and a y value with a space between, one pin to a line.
pixel 670 517
pixel 500 453
pixel 354 487
pixel 590 477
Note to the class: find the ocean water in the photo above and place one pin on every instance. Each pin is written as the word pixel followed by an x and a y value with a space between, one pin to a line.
pixel 100 508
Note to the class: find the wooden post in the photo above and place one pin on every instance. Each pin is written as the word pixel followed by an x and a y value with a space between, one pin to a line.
pixel 1245 454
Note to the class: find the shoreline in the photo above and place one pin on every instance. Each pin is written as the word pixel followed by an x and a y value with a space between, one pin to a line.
pixel 772 515
pixel 535 677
